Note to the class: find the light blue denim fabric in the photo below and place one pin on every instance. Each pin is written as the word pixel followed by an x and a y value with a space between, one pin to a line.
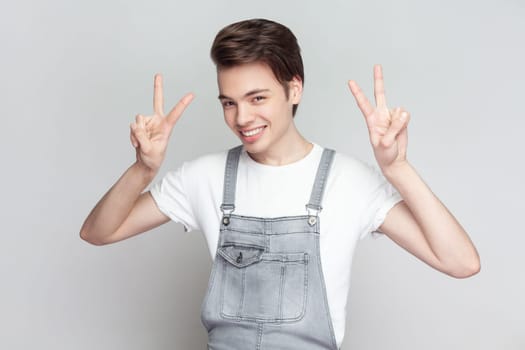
pixel 266 289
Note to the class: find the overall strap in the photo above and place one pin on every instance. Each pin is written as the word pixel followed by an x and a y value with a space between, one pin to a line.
pixel 314 206
pixel 230 181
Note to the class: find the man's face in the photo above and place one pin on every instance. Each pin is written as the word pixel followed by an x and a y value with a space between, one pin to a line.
pixel 256 107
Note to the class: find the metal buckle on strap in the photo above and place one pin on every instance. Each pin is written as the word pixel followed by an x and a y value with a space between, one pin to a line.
pixel 227 209
pixel 313 212
pixel 313 208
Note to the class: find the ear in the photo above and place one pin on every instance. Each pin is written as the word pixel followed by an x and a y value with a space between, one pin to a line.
pixel 296 89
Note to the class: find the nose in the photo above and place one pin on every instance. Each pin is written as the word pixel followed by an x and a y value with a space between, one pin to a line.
pixel 245 115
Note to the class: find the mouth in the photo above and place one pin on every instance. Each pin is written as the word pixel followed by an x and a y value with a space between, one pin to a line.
pixel 252 132
pixel 252 135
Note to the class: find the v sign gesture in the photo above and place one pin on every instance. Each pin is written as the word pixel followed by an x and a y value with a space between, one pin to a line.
pixel 150 135
pixel 125 210
pixel 387 128
pixel 420 223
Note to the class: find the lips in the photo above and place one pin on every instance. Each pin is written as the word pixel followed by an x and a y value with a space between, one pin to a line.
pixel 253 131
pixel 253 134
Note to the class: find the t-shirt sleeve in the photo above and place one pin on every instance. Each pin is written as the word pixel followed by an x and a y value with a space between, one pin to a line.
pixel 171 197
pixel 382 196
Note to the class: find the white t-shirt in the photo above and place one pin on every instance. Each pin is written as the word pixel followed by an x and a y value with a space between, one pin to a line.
pixel 356 200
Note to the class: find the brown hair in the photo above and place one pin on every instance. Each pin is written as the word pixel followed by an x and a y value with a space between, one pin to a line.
pixel 260 40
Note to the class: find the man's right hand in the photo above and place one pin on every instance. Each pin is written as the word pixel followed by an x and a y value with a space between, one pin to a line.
pixel 150 134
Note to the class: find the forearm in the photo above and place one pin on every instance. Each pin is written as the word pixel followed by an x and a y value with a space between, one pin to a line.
pixel 114 207
pixel 445 236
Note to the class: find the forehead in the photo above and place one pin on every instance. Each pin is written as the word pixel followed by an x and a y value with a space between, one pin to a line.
pixel 237 80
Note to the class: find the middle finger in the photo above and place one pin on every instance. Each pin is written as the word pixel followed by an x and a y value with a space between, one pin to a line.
pixel 379 86
pixel 158 97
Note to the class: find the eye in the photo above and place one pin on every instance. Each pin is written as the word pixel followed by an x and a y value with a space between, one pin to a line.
pixel 227 103
pixel 258 98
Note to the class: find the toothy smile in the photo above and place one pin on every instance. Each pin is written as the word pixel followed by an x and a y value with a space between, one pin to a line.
pixel 253 131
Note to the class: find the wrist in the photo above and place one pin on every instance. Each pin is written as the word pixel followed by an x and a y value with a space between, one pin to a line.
pixel 145 173
pixel 396 170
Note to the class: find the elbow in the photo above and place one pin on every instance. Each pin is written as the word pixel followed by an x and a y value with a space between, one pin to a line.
pixel 84 235
pixel 467 270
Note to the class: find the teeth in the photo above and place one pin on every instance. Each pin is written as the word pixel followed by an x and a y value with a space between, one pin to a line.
pixel 252 132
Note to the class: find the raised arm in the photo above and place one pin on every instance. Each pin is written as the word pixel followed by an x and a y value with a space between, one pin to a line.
pixel 420 223
pixel 124 210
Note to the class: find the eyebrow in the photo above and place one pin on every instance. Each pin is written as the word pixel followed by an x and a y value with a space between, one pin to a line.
pixel 249 93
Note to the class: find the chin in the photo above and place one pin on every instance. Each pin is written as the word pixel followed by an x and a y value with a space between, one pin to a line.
pixel 254 148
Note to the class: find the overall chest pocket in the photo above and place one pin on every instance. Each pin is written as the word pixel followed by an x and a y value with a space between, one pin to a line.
pixel 261 286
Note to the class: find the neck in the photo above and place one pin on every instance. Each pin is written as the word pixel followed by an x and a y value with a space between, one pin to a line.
pixel 290 149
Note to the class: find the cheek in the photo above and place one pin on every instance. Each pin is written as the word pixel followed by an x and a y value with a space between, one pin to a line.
pixel 272 111
pixel 229 117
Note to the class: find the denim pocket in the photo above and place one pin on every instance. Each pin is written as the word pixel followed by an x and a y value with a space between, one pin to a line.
pixel 263 287
pixel 241 255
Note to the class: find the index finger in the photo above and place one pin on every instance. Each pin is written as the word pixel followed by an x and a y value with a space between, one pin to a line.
pixel 379 86
pixel 158 97
pixel 362 102
pixel 176 112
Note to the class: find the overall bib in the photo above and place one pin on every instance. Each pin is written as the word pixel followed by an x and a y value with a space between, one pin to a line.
pixel 266 288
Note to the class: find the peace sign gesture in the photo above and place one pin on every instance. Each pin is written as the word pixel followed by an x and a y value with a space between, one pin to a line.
pixel 387 128
pixel 149 135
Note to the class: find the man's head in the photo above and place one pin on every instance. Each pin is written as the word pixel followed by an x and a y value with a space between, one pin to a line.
pixel 263 41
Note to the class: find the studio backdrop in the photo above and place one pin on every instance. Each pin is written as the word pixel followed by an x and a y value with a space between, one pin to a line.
pixel 73 76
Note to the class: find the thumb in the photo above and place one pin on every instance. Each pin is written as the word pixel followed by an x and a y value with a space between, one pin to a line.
pixel 132 137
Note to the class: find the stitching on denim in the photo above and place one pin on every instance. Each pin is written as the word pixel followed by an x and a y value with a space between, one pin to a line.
pixel 281 290
pixel 239 317
pixel 227 171
pixel 314 230
pixel 242 244
pixel 230 175
pixel 207 296
pixel 301 219
pixel 259 336
pixel 245 262
pixel 305 299
pixel 243 290
pixel 321 177
pixel 222 285
pixel 271 219
pixel 325 297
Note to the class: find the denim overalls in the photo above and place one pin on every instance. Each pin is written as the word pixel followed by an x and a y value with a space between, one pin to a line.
pixel 266 288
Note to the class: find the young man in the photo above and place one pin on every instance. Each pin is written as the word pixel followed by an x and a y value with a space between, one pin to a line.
pixel 281 215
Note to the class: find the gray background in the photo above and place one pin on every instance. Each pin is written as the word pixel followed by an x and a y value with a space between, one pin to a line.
pixel 75 74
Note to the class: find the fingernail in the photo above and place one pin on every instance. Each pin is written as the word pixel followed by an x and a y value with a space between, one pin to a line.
pixel 404 116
